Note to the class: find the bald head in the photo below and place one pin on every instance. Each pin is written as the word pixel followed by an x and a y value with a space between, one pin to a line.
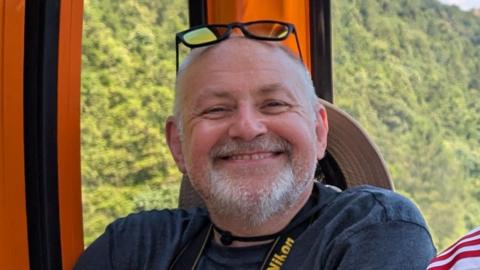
pixel 239 54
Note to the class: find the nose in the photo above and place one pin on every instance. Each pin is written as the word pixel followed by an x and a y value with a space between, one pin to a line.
pixel 247 125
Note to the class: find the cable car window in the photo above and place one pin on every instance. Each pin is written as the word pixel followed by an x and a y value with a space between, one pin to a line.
pixel 409 72
pixel 128 72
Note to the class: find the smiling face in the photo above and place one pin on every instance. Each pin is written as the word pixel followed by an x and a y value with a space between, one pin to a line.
pixel 250 137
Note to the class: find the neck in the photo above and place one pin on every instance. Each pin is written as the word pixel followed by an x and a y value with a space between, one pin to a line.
pixel 238 227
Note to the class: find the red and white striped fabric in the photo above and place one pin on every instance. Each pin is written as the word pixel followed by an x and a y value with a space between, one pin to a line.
pixel 464 254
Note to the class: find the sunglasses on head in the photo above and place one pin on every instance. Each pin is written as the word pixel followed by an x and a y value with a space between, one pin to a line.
pixel 208 34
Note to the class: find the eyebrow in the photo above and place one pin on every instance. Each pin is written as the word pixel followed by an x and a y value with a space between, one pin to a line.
pixel 274 88
pixel 209 93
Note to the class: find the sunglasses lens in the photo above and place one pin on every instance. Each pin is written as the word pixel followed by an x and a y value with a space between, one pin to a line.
pixel 204 35
pixel 269 30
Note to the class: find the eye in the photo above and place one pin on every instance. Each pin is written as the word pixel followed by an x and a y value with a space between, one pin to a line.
pixel 216 112
pixel 275 103
pixel 275 106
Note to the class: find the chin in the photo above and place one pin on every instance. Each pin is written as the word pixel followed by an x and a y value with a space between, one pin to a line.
pixel 255 200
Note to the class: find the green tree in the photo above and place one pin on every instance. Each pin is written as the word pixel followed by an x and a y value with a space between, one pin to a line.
pixel 407 71
pixel 127 93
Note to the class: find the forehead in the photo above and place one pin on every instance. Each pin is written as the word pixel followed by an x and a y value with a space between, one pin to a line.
pixel 240 63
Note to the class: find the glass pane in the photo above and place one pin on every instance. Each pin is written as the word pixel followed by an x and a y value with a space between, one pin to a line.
pixel 409 72
pixel 128 72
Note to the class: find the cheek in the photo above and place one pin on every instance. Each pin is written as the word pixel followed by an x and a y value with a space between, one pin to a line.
pixel 203 136
pixel 301 136
pixel 296 130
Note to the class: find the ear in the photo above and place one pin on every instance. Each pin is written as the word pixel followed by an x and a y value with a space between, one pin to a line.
pixel 174 143
pixel 321 129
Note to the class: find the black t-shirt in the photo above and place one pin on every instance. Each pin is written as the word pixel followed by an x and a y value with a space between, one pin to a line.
pixel 233 258
pixel 359 228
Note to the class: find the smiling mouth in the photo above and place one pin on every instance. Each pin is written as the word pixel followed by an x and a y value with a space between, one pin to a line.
pixel 251 156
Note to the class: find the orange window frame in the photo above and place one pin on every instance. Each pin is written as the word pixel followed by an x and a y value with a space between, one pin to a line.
pixel 13 219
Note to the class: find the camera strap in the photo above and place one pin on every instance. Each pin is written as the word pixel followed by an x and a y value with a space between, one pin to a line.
pixel 189 256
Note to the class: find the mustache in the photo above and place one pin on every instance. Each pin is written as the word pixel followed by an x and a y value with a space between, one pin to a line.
pixel 265 143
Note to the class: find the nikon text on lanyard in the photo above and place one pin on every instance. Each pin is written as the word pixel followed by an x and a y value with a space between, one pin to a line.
pixel 277 255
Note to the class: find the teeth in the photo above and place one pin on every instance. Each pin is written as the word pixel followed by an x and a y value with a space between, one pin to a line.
pixel 251 156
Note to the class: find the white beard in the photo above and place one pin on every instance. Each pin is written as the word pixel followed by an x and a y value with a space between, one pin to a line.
pixel 278 191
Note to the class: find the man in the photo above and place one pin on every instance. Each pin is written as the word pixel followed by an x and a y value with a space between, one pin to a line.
pixel 248 131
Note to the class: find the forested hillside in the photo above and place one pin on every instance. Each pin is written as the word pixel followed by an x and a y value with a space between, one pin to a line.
pixel 128 72
pixel 408 70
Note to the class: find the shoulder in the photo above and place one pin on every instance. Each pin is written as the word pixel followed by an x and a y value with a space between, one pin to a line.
pixel 147 239
pixel 364 228
pixel 365 209
pixel 377 203
pixel 156 219
pixel 387 205
pixel 158 226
